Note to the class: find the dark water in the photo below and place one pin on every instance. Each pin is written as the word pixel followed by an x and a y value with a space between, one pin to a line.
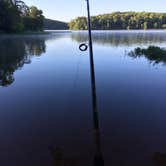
pixel 45 98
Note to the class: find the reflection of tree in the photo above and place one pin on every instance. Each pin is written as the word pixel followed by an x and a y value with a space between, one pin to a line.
pixel 6 78
pixel 14 53
pixel 35 47
pixel 152 53
pixel 120 38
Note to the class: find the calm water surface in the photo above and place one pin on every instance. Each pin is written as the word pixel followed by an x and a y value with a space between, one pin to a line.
pixel 45 98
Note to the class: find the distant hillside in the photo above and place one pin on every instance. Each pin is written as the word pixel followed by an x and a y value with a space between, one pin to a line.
pixel 55 25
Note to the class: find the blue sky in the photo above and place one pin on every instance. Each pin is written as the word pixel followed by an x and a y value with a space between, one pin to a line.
pixel 66 10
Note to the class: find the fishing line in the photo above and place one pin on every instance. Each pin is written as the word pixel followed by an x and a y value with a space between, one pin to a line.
pixel 83 46
pixel 76 75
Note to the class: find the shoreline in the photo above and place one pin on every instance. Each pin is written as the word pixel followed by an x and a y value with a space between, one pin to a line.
pixel 48 32
pixel 123 30
pixel 26 33
pixel 44 32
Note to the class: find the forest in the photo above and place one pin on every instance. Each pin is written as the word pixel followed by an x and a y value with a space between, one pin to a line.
pixel 16 16
pixel 122 20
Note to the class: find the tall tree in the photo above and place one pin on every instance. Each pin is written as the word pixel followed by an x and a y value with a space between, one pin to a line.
pixel 34 20
pixel 10 16
pixel 16 16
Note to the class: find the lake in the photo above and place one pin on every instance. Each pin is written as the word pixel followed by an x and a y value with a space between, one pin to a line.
pixel 45 98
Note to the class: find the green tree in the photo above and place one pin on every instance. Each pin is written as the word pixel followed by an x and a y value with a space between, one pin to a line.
pixel 10 20
pixel 164 26
pixel 34 20
pixel 145 25
pixel 16 16
pixel 155 25
pixel 79 23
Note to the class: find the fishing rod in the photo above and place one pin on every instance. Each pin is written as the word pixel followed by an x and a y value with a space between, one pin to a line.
pixel 98 158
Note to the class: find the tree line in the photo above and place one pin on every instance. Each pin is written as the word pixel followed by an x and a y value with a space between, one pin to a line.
pixel 122 20
pixel 16 16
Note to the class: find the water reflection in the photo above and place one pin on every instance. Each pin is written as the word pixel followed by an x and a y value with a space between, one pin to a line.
pixel 121 38
pixel 15 53
pixel 59 158
pixel 51 106
pixel 153 53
